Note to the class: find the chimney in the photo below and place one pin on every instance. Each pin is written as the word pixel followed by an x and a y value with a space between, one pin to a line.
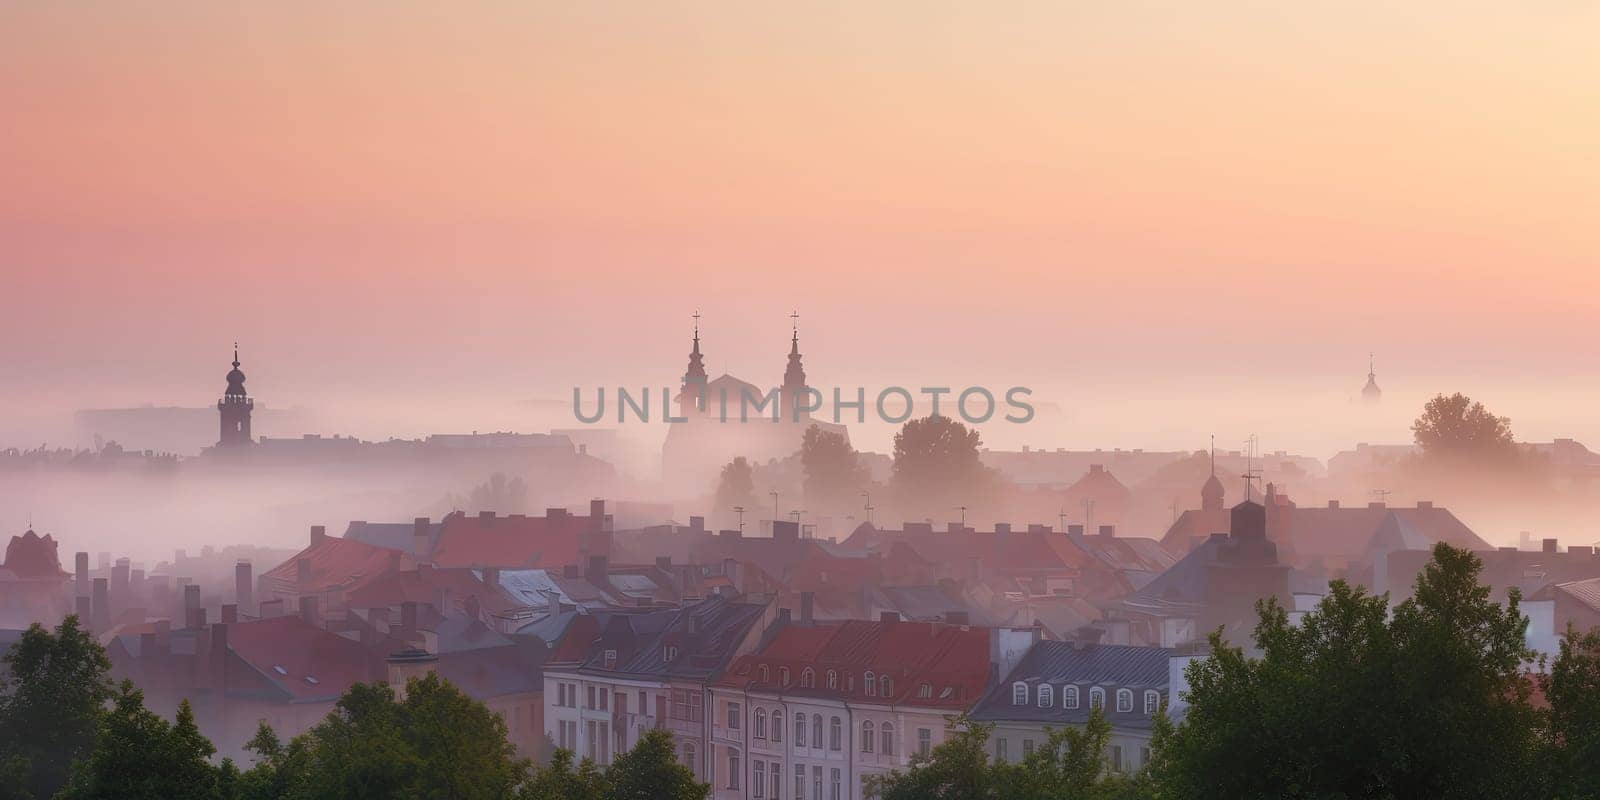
pixel 1585 551
pixel 491 576
pixel 302 571
pixel 597 514
pixel 318 534
pixel 1550 545
pixel 955 527
pixel 697 524
pixel 1376 504
pixel 1108 531
pixel 230 613
pixel 663 562
pixel 597 569
pixel 85 610
pixel 1424 504
pixel 957 618
pixel 308 610
pixel 806 600
pixel 485 516
pixel 271 608
pixel 888 616
pixel 1333 504
pixel 244 587
pixel 784 530
pixel 419 535
pixel 119 581
pixel 1000 527
pixel 197 618
pixel 80 575
pixel 1074 530
pixel 100 610
pixel 1086 636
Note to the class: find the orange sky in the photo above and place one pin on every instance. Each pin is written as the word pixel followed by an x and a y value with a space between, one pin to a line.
pixel 418 213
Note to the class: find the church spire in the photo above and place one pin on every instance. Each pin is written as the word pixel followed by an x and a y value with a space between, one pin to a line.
pixel 692 396
pixel 1371 393
pixel 1211 492
pixel 794 375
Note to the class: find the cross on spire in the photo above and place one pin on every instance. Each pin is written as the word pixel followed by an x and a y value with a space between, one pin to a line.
pixel 236 354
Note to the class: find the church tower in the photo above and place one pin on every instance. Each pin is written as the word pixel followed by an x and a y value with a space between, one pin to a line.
pixel 1211 492
pixel 691 394
pixel 1371 393
pixel 234 408
pixel 794 379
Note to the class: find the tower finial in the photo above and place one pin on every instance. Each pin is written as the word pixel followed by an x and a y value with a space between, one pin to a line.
pixel 1213 455
pixel 236 354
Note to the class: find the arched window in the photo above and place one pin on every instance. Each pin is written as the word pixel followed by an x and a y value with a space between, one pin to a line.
pixel 1047 695
pixel 783 676
pixel 816 731
pixel 689 759
pixel 835 734
pixel 867 735
pixel 871 685
pixel 1124 701
pixel 833 679
pixel 888 739
pixel 761 724
pixel 799 730
pixel 808 679
pixel 1069 697
pixel 885 686
pixel 766 674
pixel 1152 702
pixel 925 691
pixel 1019 694
pixel 1097 698
pixel 777 726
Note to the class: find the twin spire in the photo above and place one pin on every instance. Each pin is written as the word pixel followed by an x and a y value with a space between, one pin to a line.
pixel 793 375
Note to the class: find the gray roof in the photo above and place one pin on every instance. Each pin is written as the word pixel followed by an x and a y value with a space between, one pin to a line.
pixel 393 535
pixel 1059 664
pixel 640 640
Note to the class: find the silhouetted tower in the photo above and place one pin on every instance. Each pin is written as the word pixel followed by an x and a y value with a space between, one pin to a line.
pixel 234 409
pixel 794 378
pixel 1371 393
pixel 1211 492
pixel 691 394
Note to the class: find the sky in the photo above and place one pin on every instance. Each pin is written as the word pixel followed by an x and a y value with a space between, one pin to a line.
pixel 1168 219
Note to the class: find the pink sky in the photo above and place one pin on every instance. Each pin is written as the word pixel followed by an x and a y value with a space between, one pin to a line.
pixel 417 214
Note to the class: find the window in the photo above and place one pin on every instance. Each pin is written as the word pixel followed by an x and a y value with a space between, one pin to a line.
pixel 604 697
pixel 1027 747
pixel 816 782
pixel 816 731
pixel 766 674
pixel 808 679
pixel 783 675
pixel 1144 755
pixel 689 759
pixel 834 795
pixel 761 724
pixel 733 769
pixel 1047 695
pixel 1152 702
pixel 1116 757
pixel 871 685
pixel 1069 697
pixel 799 730
pixel 925 691
pixel 833 679
pixel 799 781
pixel 835 734
pixel 777 727
pixel 588 697
pixel 1019 694
pixel 1000 749
pixel 733 716
pixel 669 653
pixel 611 659
pixel 644 704
pixel 1097 698
pixel 924 741
pixel 686 705
pixel 867 733
pixel 887 739
pixel 605 743
pixel 776 780
pixel 885 686
pixel 758 779
pixel 1124 701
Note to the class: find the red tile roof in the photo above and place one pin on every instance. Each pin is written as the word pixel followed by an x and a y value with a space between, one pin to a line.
pixel 302 660
pixel 338 564
pixel 952 661
pixel 429 584
pixel 518 542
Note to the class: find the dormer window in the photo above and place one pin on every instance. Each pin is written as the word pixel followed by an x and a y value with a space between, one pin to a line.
pixel 808 679
pixel 1047 695
pixel 669 653
pixel 766 674
pixel 925 691
pixel 833 679
pixel 871 685
pixel 1152 702
pixel 885 686
pixel 1069 697
pixel 1124 701
pixel 1097 698
pixel 611 659
pixel 1019 694
pixel 783 675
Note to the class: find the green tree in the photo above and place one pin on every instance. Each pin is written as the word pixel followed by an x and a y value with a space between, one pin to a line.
pixel 1456 429
pixel 651 771
pixel 501 494
pixel 936 461
pixel 956 769
pixel 1354 703
pixel 139 756
pixel 51 700
pixel 834 476
pixel 1573 689
pixel 558 780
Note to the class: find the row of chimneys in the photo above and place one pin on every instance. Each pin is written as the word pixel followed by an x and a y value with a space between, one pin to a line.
pixel 94 597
